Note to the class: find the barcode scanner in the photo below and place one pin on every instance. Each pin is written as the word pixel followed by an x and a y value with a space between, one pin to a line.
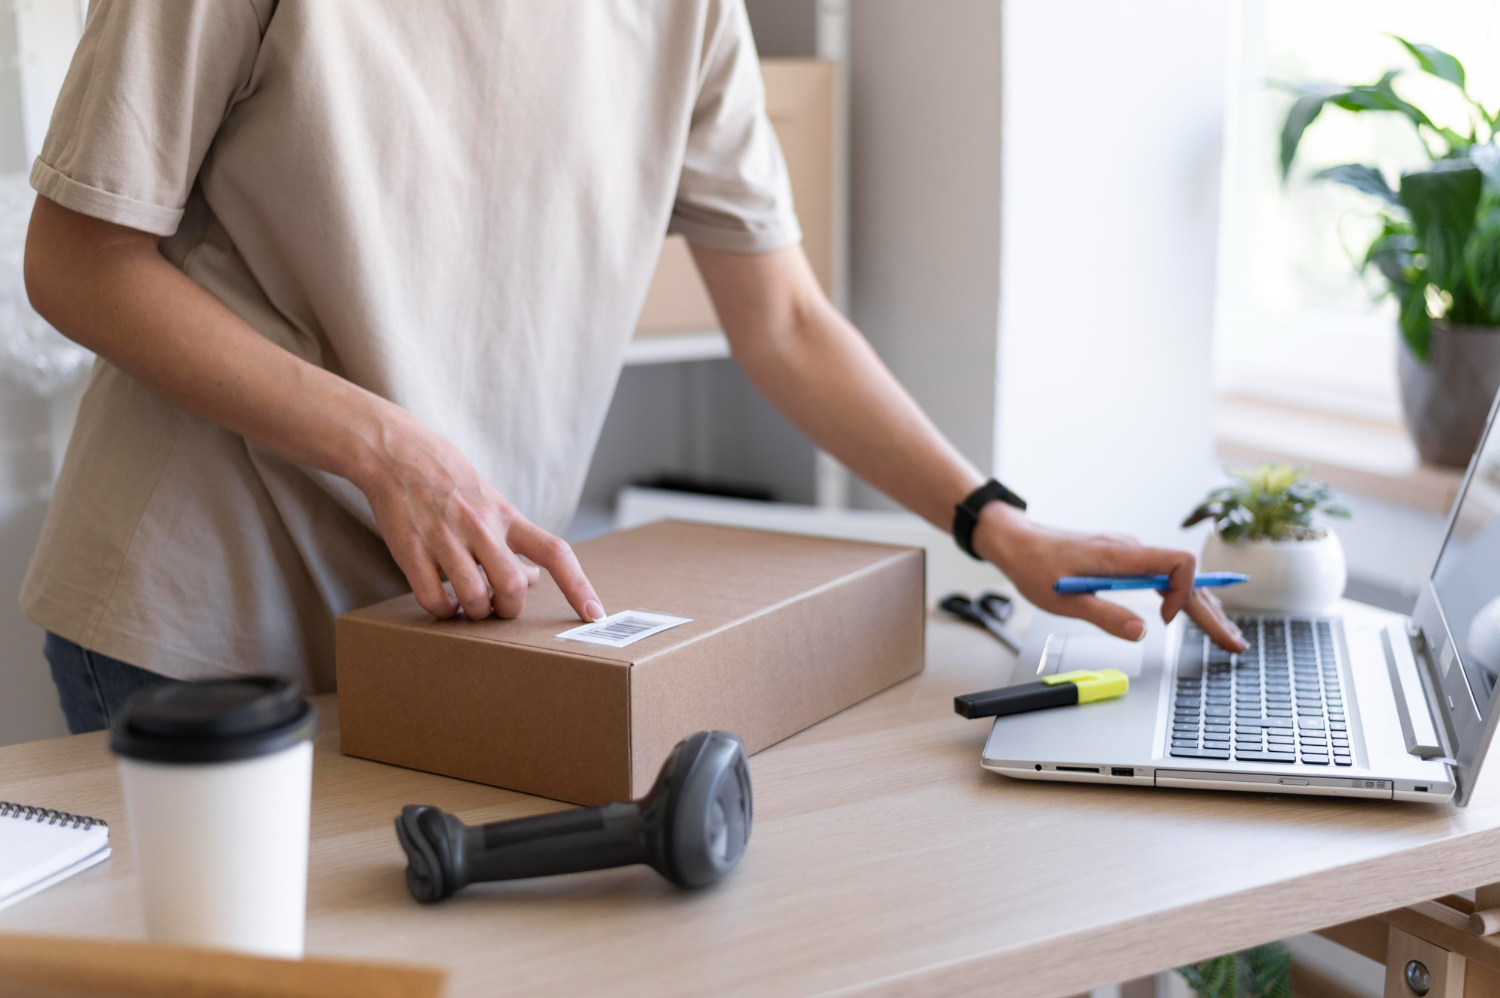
pixel 691 827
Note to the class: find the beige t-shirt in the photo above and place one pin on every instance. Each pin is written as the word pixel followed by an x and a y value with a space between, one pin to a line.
pixel 457 204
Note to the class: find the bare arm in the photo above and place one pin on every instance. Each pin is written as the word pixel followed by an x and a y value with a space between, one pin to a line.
pixel 816 368
pixel 109 288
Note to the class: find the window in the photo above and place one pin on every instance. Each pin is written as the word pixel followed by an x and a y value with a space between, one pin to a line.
pixel 1296 322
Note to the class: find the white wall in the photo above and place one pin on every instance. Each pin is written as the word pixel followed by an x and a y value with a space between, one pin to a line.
pixel 1110 157
pixel 924 175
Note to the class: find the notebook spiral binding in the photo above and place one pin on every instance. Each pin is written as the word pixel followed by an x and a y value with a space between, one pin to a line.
pixel 46 815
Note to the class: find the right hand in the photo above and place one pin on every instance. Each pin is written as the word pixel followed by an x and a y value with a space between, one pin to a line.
pixel 440 518
pixel 1033 557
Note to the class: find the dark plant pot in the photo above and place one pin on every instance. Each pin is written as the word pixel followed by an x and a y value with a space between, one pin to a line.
pixel 1448 398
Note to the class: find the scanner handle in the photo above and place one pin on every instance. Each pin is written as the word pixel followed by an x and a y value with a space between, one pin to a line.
pixel 590 838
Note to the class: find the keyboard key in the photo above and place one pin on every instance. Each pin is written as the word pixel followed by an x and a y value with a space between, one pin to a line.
pixel 1265 756
pixel 1216 711
pixel 1197 753
pixel 1337 726
pixel 1315 760
pixel 1311 723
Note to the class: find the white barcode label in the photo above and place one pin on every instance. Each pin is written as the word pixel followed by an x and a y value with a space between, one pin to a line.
pixel 623 628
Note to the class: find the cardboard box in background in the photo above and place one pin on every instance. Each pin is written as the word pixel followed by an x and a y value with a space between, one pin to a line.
pixel 785 631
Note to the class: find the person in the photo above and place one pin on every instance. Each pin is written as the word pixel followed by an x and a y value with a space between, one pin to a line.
pixel 360 278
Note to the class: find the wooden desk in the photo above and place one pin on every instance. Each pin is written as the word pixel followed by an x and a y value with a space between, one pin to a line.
pixel 884 861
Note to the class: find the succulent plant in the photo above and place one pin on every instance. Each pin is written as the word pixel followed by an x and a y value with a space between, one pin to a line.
pixel 1269 502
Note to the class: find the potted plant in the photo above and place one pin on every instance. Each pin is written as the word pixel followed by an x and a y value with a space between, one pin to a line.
pixel 1437 250
pixel 1262 972
pixel 1263 527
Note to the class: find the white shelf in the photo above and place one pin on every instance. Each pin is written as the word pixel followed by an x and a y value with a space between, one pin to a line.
pixel 671 348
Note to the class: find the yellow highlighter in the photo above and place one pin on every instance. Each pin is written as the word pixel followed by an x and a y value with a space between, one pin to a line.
pixel 1061 690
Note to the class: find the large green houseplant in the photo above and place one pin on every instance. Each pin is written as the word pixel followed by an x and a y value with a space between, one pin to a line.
pixel 1437 249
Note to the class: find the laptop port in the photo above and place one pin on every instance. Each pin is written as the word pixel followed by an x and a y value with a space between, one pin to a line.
pixel 1121 771
pixel 1420 790
pixel 1077 769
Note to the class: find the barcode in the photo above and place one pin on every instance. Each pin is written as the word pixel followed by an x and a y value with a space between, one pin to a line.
pixel 623 628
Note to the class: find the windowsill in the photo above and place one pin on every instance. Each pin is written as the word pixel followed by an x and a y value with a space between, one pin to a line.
pixel 1370 457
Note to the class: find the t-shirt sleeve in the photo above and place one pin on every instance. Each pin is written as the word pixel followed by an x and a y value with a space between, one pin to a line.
pixel 733 194
pixel 148 88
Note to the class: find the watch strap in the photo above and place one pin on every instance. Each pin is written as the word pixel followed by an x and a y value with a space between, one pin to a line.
pixel 966 513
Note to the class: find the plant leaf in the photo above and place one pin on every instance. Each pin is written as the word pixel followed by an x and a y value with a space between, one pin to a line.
pixel 1442 200
pixel 1304 112
pixel 1434 60
pixel 1361 178
pixel 1482 265
pixel 1393 253
pixel 1380 96
pixel 1415 323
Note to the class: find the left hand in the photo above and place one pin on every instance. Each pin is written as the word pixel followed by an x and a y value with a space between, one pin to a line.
pixel 1033 557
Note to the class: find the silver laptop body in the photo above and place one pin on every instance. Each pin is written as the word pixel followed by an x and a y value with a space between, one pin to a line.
pixel 1363 704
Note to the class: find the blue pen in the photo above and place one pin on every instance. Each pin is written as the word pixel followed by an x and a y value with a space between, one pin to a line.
pixel 1071 584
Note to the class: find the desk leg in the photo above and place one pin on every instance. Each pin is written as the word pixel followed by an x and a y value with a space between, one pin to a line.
pixel 1410 958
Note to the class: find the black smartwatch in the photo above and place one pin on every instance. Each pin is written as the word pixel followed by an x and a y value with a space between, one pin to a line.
pixel 966 513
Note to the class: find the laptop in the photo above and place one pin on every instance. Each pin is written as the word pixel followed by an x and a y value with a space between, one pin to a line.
pixel 1356 704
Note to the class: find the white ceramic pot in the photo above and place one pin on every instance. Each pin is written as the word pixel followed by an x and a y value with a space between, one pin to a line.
pixel 1285 576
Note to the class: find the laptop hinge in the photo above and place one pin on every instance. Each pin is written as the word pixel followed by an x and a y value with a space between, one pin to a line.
pixel 1411 696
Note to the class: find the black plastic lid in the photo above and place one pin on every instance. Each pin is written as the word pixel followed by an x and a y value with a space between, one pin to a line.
pixel 213 720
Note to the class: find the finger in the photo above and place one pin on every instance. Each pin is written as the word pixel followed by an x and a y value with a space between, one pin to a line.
pixel 1206 611
pixel 1178 566
pixel 1109 617
pixel 557 557
pixel 422 575
pixel 468 582
pixel 508 577
pixel 533 574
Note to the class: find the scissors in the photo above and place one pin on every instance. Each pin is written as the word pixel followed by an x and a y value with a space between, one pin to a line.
pixel 989 610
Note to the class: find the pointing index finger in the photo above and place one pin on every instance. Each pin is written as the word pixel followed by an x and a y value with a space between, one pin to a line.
pixel 557 557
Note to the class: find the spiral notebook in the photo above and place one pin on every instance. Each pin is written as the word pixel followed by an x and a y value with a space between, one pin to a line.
pixel 40 847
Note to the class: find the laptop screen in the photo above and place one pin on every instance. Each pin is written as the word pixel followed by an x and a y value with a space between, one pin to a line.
pixel 1466 579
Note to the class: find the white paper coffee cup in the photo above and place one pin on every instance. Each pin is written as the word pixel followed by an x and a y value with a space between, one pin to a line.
pixel 218 788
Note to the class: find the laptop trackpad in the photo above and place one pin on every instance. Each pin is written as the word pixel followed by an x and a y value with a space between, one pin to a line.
pixel 1067 652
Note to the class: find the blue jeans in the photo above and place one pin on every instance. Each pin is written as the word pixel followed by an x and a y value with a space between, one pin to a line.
pixel 92 687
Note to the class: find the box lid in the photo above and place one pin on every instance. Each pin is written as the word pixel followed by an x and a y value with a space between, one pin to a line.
pixel 715 575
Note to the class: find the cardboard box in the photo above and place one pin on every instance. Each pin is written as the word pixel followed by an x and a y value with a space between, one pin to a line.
pixel 785 631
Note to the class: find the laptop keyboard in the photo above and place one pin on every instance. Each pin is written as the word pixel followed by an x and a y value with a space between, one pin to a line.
pixel 1277 701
